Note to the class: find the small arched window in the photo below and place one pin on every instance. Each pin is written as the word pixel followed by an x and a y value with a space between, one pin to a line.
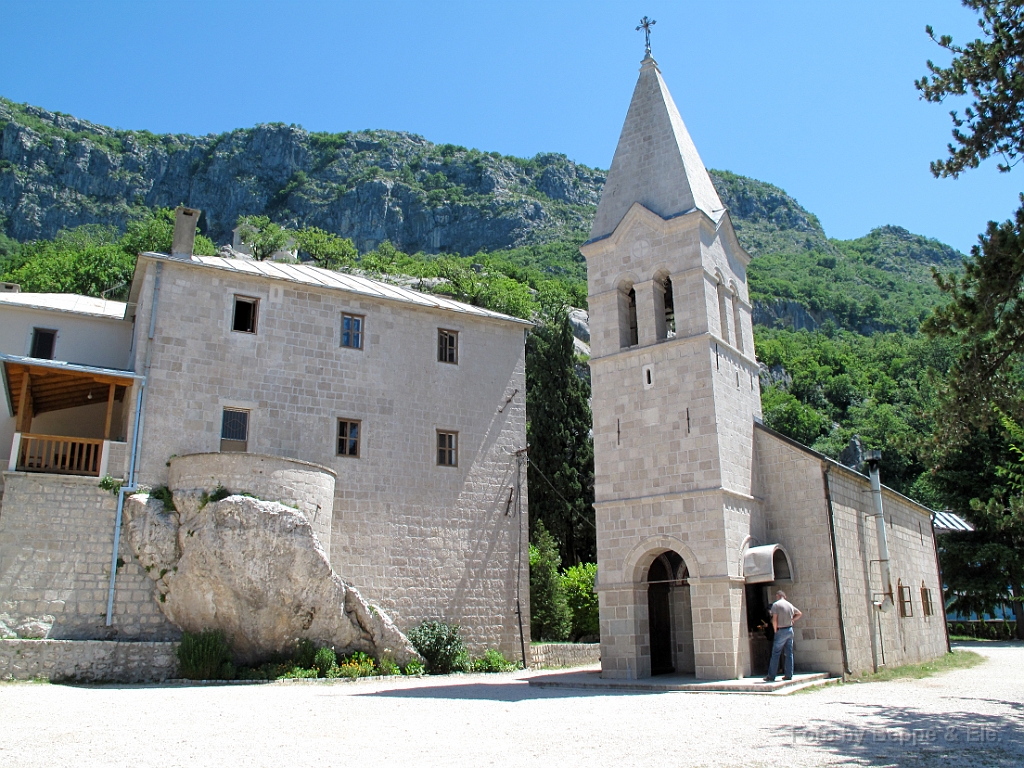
pixel 670 307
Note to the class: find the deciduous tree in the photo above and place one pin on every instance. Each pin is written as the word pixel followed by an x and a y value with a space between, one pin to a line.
pixel 325 248
pixel 263 236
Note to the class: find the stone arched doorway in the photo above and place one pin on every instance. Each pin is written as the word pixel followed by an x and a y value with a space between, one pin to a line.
pixel 669 617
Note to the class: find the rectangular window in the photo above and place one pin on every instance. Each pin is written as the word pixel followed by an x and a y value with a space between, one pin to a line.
pixel 244 320
pixel 348 437
pixel 926 601
pixel 447 449
pixel 448 346
pixel 234 431
pixel 43 342
pixel 352 330
pixel 906 602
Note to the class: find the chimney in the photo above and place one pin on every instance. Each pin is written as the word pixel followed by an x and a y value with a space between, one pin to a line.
pixel 185 220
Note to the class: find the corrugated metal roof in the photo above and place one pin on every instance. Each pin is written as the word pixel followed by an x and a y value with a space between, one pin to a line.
pixel 325 278
pixel 949 522
pixel 66 302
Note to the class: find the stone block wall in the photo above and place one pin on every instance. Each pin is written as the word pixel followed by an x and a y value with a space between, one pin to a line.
pixel 56 537
pixel 873 637
pixel 555 655
pixel 796 492
pixel 421 540
pixel 790 482
pixel 88 661
pixel 309 487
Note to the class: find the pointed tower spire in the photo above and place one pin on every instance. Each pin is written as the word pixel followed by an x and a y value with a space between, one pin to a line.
pixel 655 163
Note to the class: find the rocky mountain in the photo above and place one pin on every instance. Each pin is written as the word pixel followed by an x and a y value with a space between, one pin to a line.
pixel 58 172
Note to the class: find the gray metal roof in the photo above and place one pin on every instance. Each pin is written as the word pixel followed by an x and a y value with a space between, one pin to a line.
pixel 949 522
pixel 61 365
pixel 326 278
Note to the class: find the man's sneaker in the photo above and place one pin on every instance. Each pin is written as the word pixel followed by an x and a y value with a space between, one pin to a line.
pixel 769 679
pixel 788 677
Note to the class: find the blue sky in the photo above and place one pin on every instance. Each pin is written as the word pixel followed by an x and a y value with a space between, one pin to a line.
pixel 815 97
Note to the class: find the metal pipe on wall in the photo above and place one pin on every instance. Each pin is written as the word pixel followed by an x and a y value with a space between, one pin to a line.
pixel 886 604
pixel 136 435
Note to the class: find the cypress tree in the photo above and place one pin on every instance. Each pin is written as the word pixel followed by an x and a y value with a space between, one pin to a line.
pixel 559 431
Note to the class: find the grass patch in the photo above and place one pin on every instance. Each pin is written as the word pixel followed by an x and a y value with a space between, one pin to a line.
pixel 958 659
pixel 38 680
pixel 972 639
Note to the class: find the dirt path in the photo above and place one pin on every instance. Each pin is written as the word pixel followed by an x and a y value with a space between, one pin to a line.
pixel 964 718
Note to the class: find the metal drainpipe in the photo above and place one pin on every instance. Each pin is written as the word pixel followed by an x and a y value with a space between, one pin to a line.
pixel 886 604
pixel 519 555
pixel 835 570
pixel 137 433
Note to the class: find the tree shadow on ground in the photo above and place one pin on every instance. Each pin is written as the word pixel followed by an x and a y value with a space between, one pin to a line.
pixel 874 734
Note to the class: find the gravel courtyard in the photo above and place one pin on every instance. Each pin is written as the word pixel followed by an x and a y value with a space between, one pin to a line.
pixel 969 717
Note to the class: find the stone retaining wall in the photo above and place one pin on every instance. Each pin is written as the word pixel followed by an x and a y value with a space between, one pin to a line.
pixel 87 661
pixel 56 537
pixel 548 655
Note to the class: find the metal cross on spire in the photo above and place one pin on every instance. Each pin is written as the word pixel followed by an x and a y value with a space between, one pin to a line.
pixel 645 25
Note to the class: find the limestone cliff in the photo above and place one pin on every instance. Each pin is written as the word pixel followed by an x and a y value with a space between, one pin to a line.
pixel 57 171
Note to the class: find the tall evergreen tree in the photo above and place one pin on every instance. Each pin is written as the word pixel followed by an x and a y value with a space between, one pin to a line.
pixel 559 431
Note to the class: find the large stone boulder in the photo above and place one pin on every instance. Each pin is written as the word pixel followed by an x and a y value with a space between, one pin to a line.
pixel 256 571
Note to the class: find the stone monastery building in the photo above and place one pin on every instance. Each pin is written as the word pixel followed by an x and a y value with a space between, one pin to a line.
pixel 412 407
pixel 702 511
pixel 407 413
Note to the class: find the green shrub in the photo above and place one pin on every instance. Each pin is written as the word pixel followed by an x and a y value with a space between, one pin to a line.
pixel 414 667
pixel 324 661
pixel 112 484
pixel 357 665
pixel 305 654
pixel 219 494
pixel 441 645
pixel 493 661
pixel 578 582
pixel 387 666
pixel 205 656
pixel 163 493
pixel 550 618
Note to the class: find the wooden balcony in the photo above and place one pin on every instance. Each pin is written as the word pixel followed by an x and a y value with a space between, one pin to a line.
pixel 59 455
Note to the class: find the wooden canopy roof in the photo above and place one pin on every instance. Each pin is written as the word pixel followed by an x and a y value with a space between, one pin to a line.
pixel 43 388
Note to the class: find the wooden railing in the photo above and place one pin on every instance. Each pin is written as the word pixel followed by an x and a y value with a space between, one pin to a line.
pixel 60 455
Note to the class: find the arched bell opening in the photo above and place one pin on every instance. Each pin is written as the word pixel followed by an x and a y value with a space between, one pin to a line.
pixel 664 307
pixel 669 616
pixel 736 315
pixel 723 309
pixel 629 335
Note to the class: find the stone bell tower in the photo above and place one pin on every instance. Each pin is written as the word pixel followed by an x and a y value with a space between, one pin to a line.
pixel 675 387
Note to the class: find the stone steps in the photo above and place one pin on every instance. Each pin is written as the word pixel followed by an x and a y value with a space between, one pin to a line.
pixel 589 678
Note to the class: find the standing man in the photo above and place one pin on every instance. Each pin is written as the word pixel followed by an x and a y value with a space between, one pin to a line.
pixel 784 613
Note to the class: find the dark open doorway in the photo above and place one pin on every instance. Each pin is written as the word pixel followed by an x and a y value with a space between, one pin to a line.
pixel 660 617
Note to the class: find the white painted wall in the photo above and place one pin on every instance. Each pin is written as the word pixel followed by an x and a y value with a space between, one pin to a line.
pixel 81 338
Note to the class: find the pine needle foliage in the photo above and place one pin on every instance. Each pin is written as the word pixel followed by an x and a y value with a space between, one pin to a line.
pixel 561 469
